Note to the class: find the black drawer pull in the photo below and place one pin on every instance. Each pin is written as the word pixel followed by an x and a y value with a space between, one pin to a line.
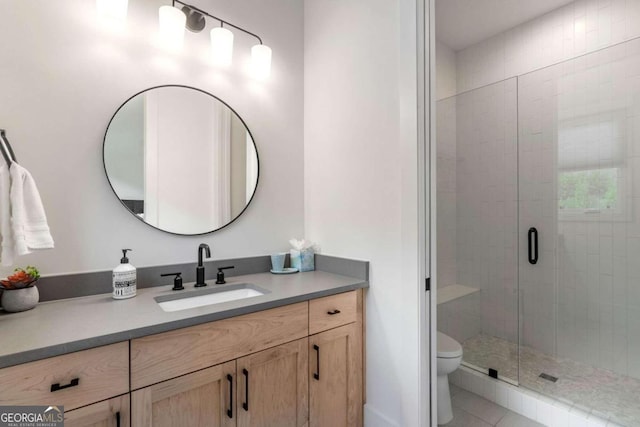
pixel 118 419
pixel 532 244
pixel 316 375
pixel 332 312
pixel 245 405
pixel 74 382
pixel 230 410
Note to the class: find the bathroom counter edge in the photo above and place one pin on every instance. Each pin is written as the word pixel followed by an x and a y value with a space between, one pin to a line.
pixel 76 324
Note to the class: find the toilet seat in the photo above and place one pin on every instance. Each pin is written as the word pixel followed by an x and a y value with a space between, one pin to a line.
pixel 448 348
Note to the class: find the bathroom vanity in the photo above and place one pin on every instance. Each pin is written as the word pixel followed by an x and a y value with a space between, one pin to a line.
pixel 290 357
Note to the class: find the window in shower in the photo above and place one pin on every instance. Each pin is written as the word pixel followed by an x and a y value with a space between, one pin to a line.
pixel 592 174
pixel 589 191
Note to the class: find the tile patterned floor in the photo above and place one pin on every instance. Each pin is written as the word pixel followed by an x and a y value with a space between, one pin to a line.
pixel 613 395
pixel 471 410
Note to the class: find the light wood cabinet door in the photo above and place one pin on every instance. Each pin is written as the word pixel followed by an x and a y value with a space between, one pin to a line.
pixel 273 387
pixel 335 388
pixel 200 399
pixel 109 413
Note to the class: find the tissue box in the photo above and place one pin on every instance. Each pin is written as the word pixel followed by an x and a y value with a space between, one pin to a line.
pixel 303 259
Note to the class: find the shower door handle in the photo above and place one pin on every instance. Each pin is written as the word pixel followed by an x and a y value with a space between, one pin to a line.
pixel 533 245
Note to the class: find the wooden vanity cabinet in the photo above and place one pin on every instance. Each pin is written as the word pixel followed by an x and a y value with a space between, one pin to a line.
pixel 159 357
pixel 273 387
pixel 108 413
pixel 76 381
pixel 336 384
pixel 333 311
pixel 335 377
pixel 274 383
pixel 297 365
pixel 203 398
pixel 268 388
pixel 72 380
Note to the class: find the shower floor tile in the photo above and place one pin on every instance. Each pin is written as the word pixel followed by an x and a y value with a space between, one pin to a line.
pixel 613 395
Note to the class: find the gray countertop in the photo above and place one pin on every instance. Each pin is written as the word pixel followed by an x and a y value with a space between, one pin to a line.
pixel 65 326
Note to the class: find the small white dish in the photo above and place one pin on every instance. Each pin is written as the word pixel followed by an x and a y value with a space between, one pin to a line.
pixel 288 270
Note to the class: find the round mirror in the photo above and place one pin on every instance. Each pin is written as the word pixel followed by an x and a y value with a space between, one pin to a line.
pixel 181 160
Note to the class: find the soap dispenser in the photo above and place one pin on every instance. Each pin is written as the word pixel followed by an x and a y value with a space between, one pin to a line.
pixel 124 278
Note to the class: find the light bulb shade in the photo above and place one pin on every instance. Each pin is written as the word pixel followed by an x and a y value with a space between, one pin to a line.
pixel 261 61
pixel 222 46
pixel 172 24
pixel 113 9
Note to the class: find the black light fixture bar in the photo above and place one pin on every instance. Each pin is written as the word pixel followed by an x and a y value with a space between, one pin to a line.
pixel 222 21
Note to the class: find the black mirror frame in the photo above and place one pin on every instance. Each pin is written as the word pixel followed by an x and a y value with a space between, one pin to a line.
pixel 104 141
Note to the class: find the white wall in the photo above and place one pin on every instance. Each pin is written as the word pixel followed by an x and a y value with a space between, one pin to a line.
pixel 64 74
pixel 575 29
pixel 361 178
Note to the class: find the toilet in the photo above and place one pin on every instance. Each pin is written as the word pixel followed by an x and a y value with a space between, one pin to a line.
pixel 449 358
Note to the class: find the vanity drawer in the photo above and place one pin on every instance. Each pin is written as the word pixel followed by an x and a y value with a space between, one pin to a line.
pixel 167 355
pixel 332 311
pixel 72 380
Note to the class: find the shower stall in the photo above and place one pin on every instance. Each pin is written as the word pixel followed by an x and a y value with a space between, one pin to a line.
pixel 538 194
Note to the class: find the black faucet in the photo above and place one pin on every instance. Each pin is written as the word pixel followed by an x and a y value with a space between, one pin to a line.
pixel 200 268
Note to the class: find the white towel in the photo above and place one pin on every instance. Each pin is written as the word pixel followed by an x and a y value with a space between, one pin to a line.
pixel 28 220
pixel 7 251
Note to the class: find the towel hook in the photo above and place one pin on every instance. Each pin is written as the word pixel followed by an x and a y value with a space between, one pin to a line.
pixel 7 150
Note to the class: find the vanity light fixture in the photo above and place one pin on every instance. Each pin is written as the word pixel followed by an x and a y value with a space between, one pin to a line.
pixel 222 46
pixel 172 22
pixel 261 61
pixel 193 18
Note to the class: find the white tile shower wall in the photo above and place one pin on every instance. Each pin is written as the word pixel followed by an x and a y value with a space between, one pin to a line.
pixel 486 208
pixel 446 165
pixel 527 403
pixel 445 71
pixel 446 192
pixel 537 202
pixel 582 300
pixel 460 318
pixel 575 29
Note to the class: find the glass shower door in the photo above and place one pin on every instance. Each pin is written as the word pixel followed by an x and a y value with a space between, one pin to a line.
pixel 477 226
pixel 579 231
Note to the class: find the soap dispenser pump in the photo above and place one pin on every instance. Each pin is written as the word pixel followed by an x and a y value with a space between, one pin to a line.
pixel 124 278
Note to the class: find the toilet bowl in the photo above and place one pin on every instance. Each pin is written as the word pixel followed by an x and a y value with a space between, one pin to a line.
pixel 449 358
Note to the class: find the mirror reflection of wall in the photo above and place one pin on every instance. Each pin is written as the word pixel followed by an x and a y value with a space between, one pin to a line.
pixel 126 153
pixel 181 160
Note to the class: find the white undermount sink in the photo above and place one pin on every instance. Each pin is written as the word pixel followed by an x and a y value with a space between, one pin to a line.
pixel 204 297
